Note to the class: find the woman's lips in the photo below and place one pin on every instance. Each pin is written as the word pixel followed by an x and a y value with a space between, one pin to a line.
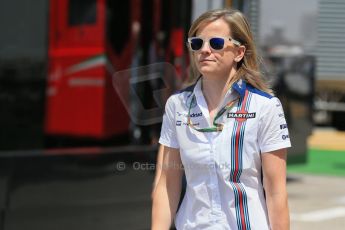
pixel 206 60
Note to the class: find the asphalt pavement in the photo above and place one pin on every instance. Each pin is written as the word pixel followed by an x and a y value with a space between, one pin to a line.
pixel 75 194
pixel 112 193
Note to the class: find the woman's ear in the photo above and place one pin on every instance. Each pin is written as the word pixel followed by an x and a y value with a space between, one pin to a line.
pixel 241 50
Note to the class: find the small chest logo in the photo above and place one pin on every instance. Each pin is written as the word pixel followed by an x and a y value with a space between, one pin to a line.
pixel 241 115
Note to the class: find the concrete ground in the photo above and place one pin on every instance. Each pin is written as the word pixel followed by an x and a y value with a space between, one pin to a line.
pixel 316 202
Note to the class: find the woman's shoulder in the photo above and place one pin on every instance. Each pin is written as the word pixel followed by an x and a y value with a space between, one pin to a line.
pixel 180 97
pixel 186 90
pixel 260 93
pixel 263 100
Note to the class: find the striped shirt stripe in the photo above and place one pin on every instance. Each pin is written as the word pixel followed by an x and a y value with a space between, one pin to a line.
pixel 241 205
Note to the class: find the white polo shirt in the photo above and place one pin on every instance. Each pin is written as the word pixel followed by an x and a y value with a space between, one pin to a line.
pixel 223 169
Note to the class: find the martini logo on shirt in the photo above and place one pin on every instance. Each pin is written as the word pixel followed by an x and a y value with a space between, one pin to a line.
pixel 241 115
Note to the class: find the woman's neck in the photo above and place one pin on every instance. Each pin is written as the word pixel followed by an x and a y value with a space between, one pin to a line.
pixel 214 90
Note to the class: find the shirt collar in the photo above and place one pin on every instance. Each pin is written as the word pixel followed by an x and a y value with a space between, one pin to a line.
pixel 238 87
pixel 197 89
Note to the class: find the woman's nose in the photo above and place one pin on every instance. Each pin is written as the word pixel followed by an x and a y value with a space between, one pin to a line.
pixel 205 48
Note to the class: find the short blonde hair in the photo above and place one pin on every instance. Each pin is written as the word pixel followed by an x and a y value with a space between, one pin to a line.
pixel 248 67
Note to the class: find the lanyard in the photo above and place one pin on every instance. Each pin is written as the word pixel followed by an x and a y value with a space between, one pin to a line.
pixel 216 126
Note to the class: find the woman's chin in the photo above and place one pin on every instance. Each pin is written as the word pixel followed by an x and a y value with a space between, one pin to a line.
pixel 206 67
pixel 207 71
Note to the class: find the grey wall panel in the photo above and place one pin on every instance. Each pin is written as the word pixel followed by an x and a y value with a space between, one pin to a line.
pixel 23 26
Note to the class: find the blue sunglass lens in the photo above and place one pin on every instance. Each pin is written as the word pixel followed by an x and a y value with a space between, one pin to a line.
pixel 196 43
pixel 217 43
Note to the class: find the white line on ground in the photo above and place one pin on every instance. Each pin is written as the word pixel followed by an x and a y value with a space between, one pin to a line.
pixel 319 215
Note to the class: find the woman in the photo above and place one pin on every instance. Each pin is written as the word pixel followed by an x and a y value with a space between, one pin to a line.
pixel 226 132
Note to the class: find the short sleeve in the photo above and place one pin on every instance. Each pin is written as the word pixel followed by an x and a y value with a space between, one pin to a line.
pixel 273 131
pixel 168 131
